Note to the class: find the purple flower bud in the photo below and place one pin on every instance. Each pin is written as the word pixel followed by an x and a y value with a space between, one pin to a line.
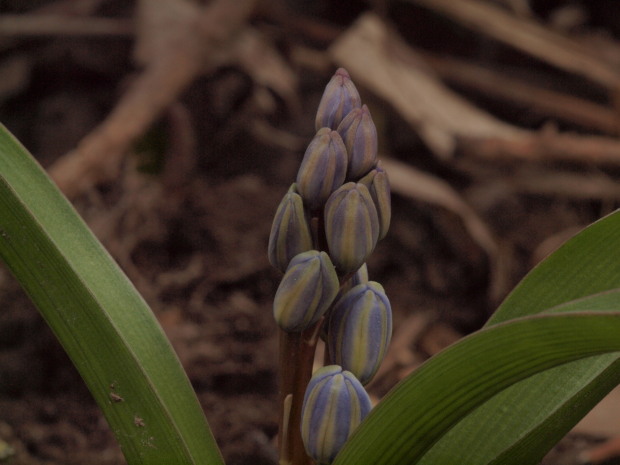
pixel 339 98
pixel 359 134
pixel 323 168
pixel 306 291
pixel 360 329
pixel 379 186
pixel 290 231
pixel 334 405
pixel 359 277
pixel 351 226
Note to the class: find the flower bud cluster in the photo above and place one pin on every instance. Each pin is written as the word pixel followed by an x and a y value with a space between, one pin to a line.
pixel 324 230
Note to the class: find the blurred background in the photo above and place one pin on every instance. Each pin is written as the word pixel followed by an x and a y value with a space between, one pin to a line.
pixel 176 126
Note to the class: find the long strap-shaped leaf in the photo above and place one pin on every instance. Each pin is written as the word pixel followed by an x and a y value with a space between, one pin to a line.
pixel 518 428
pixel 519 424
pixel 527 419
pixel 430 401
pixel 104 325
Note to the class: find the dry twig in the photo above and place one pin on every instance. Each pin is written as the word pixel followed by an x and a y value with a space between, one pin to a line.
pixel 530 37
pixel 501 86
pixel 50 24
pixel 379 60
pixel 178 40
pixel 544 145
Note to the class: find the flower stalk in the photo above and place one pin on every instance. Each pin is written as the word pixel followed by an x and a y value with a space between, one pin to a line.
pixel 324 230
pixel 296 358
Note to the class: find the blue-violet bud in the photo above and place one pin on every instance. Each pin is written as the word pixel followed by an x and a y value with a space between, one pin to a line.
pixel 351 226
pixel 359 277
pixel 334 405
pixel 360 329
pixel 359 134
pixel 290 231
pixel 379 186
pixel 339 98
pixel 323 168
pixel 306 291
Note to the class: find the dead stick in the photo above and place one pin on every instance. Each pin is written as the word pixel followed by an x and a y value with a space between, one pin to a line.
pixel 378 59
pixel 50 24
pixel 545 145
pixel 502 86
pixel 98 156
pixel 529 37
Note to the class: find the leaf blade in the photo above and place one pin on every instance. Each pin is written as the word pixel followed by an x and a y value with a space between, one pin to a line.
pixel 404 426
pixel 105 326
pixel 587 264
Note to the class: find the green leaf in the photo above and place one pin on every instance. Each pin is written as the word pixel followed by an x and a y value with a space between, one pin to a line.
pixel 520 423
pixel 104 325
pixel 422 408
pixel 527 419
pixel 587 264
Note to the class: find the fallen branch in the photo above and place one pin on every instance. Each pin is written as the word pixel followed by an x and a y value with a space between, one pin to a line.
pixel 381 61
pixel 530 37
pixel 50 24
pixel 545 145
pixel 76 10
pixel 500 85
pixel 198 41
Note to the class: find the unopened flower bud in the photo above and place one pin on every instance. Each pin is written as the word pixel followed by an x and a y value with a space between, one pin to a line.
pixel 359 277
pixel 334 405
pixel 323 168
pixel 290 231
pixel 360 329
pixel 351 226
pixel 379 186
pixel 306 291
pixel 359 134
pixel 339 98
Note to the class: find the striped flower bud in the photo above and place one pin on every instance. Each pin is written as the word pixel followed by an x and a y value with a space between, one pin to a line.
pixel 334 405
pixel 306 291
pixel 351 226
pixel 379 186
pixel 323 168
pixel 359 134
pixel 359 277
pixel 360 329
pixel 290 231
pixel 339 98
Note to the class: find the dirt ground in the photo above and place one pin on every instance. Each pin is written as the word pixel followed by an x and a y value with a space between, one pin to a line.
pixel 187 214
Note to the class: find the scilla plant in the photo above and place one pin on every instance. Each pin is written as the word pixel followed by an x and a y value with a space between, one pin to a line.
pixel 503 395
pixel 325 228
